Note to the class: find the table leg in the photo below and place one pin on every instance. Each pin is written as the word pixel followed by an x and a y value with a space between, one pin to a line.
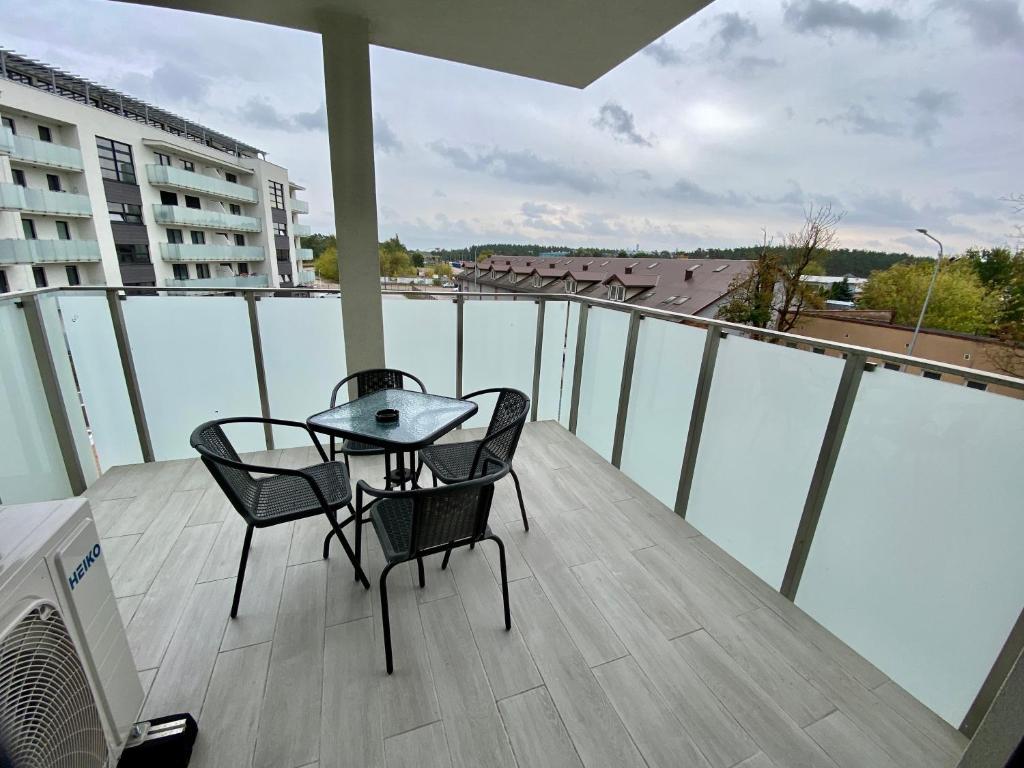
pixel 387 470
pixel 401 469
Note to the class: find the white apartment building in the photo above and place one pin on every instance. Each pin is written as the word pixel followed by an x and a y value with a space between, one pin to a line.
pixel 97 187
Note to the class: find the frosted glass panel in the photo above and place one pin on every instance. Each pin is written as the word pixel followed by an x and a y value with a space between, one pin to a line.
pixel 499 342
pixel 916 562
pixel 303 356
pixel 602 378
pixel 90 336
pixel 68 388
pixel 194 361
pixel 552 387
pixel 665 372
pixel 763 429
pixel 31 467
pixel 571 331
pixel 419 337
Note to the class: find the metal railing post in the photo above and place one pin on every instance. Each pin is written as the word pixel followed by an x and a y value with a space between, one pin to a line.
pixel 460 309
pixel 842 406
pixel 538 349
pixel 261 371
pixel 625 387
pixel 1009 654
pixel 51 390
pixel 577 371
pixel 700 406
pixel 131 380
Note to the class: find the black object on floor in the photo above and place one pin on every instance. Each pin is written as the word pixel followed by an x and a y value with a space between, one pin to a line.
pixel 163 742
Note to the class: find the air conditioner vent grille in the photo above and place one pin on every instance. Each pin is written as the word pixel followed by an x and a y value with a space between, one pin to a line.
pixel 48 717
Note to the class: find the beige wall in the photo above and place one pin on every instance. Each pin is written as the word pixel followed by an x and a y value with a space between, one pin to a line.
pixel 964 351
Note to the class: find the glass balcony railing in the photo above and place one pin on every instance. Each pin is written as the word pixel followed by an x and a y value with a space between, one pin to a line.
pixel 303 254
pixel 48 251
pixel 305 277
pixel 299 206
pixel 6 140
pixel 45 154
pixel 234 281
pixel 883 504
pixel 302 230
pixel 179 178
pixel 191 252
pixel 50 203
pixel 12 197
pixel 195 217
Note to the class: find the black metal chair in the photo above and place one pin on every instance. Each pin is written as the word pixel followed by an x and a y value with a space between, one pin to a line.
pixel 279 496
pixel 457 462
pixel 368 382
pixel 415 523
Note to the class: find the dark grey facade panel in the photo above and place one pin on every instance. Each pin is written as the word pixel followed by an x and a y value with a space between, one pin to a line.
pixel 281 242
pixel 137 273
pixel 279 215
pixel 284 267
pixel 129 234
pixel 119 192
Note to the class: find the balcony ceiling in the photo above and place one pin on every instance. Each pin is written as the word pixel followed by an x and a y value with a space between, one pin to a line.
pixel 570 42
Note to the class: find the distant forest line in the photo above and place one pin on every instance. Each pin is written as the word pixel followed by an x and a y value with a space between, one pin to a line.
pixel 840 261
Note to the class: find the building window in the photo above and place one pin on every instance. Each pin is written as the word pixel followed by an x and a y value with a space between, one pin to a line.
pixel 116 161
pixel 818 350
pixel 537 280
pixel 63 231
pixel 180 271
pixel 45 135
pixel 236 210
pixel 977 385
pixel 198 238
pixel 73 277
pixel 231 177
pixel 239 239
pixel 616 293
pixel 168 198
pixel 513 277
pixel 891 367
pixel 126 213
pixel 188 165
pixel 243 269
pixel 931 375
pixel 174 236
pixel 5 287
pixel 132 254
pixel 163 159
pixel 9 124
pixel 570 285
pixel 276 195
pixel 19 177
pixel 280 230
pixel 192 202
pixel 53 182
pixel 39 274
pixel 202 270
pixel 29 228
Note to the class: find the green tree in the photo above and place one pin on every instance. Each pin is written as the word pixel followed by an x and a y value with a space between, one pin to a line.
pixel 326 264
pixel 1002 272
pixel 417 259
pixel 395 260
pixel 440 270
pixel 841 291
pixel 959 302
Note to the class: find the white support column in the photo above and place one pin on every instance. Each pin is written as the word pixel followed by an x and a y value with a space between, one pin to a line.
pixel 350 131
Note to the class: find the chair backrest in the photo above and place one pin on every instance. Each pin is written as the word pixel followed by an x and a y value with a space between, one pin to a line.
pixel 512 408
pixel 238 485
pixel 374 380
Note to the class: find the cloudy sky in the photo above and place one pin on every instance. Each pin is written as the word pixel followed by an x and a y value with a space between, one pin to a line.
pixel 900 113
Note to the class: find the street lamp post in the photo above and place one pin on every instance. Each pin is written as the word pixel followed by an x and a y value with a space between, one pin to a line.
pixel 927 296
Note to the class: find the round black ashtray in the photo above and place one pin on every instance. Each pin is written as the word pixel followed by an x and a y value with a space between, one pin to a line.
pixel 387 415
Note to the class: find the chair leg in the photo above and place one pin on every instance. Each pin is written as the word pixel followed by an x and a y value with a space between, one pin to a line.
pixel 419 567
pixel 327 543
pixel 386 617
pixel 359 537
pixel 447 554
pixel 504 580
pixel 519 493
pixel 435 479
pixel 241 571
pixel 360 576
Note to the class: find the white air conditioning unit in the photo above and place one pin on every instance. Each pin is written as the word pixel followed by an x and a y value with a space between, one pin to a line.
pixel 69 691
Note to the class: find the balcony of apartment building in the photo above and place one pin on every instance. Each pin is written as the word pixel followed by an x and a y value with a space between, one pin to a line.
pixel 297 205
pixel 301 230
pixel 43 202
pixel 739 553
pixel 179 215
pixel 171 177
pixel 15 251
pixel 212 252
pixel 303 255
pixel 25 150
pixel 227 281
